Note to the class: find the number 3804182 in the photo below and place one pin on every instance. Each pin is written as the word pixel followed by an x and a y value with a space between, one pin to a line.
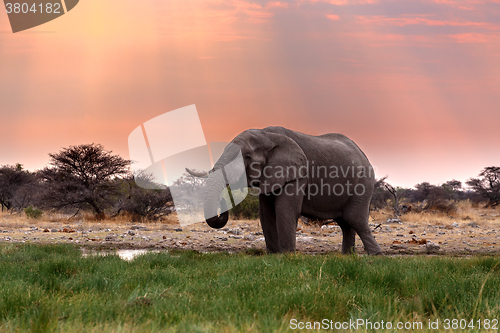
pixel 24 8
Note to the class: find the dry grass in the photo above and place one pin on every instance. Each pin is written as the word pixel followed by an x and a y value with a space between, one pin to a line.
pixel 125 218
pixel 80 221
pixel 466 211
pixel 379 216
pixel 8 220
pixel 427 218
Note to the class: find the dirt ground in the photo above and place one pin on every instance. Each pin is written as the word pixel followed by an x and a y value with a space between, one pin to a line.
pixel 471 232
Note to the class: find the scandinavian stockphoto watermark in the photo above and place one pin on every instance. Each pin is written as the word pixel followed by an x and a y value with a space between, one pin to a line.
pixel 332 180
pixel 26 14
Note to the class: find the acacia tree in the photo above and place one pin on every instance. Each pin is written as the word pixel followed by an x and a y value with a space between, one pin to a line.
pixel 83 177
pixel 487 186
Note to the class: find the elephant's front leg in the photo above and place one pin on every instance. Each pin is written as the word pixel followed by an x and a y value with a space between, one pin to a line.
pixel 267 216
pixel 288 205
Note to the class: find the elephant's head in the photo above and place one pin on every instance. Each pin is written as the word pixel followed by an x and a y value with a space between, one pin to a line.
pixel 269 161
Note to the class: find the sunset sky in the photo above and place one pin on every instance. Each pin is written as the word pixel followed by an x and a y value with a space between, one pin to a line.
pixel 416 84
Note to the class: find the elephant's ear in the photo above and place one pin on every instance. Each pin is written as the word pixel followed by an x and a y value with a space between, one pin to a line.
pixel 286 161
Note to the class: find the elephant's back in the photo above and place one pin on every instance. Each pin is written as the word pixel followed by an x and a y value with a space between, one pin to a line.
pixel 326 144
pixel 300 137
pixel 344 139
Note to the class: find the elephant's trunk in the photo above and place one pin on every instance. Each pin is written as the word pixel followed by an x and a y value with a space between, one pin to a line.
pixel 218 222
pixel 215 185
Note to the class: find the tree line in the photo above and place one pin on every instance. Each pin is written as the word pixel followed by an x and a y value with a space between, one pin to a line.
pixel 82 178
pixel 89 178
pixel 483 189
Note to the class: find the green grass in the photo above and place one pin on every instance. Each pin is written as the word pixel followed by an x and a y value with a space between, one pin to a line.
pixel 52 288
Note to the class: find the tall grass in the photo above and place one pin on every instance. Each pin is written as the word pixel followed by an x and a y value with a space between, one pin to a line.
pixel 52 288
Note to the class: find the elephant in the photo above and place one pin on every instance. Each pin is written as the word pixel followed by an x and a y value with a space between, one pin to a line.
pixel 321 177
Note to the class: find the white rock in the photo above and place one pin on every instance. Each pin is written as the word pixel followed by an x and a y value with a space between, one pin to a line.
pixel 431 246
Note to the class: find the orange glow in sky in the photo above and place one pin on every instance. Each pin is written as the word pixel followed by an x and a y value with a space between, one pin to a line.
pixel 415 84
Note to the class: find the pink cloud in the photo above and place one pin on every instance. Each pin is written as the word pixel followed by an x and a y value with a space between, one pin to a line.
pixel 461 2
pixel 379 40
pixel 277 4
pixel 473 38
pixel 253 10
pixel 343 2
pixel 228 37
pixel 403 21
pixel 333 17
pixel 465 5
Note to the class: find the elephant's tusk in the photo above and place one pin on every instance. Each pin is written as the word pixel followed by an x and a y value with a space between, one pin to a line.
pixel 200 174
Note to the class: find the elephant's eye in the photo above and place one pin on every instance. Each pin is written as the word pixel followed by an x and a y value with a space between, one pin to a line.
pixel 247 157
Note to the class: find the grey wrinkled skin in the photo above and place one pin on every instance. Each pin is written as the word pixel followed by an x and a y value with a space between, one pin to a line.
pixel 276 148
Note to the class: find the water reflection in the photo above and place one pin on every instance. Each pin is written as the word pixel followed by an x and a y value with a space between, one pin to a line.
pixel 127 255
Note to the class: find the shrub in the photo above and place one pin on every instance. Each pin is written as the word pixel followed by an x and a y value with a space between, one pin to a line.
pixel 32 213
pixel 247 209
pixel 315 222
pixel 142 204
pixel 17 187
pixel 444 206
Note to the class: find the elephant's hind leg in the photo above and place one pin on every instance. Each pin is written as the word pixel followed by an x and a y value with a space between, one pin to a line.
pixel 360 224
pixel 348 236
pixel 371 245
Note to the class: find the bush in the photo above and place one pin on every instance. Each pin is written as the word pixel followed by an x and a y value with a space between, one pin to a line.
pixel 315 222
pixel 444 206
pixel 143 204
pixel 33 213
pixel 17 187
pixel 247 209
